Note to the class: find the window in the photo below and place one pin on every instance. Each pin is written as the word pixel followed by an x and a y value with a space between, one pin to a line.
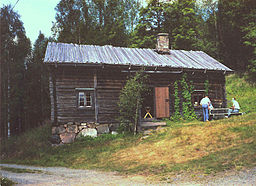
pixel 197 95
pixel 81 99
pixel 88 99
pixel 85 99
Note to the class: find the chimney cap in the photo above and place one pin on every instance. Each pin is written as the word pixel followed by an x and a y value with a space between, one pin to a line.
pixel 162 34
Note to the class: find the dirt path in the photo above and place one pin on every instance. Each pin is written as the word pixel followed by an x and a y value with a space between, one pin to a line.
pixel 66 176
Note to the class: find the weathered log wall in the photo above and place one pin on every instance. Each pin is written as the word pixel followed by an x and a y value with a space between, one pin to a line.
pixel 51 96
pixel 67 81
pixel 106 85
pixel 216 87
pixel 109 85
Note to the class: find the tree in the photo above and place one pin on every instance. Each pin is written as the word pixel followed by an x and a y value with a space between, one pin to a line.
pixel 236 21
pixel 130 102
pixel 98 22
pixel 178 18
pixel 209 27
pixel 249 35
pixel 15 49
pixel 182 21
pixel 37 101
pixel 150 23
pixel 69 20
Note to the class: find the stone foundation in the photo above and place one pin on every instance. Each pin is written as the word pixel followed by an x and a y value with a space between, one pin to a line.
pixel 67 133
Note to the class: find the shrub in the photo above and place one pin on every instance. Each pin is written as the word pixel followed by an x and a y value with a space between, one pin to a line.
pixel 130 102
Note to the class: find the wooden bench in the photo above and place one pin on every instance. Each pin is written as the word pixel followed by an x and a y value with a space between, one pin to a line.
pixel 218 113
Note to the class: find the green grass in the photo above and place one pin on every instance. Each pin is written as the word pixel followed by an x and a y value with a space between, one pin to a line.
pixel 30 145
pixel 33 148
pixel 19 170
pixel 6 182
pixel 196 146
pixel 244 92
pixel 231 158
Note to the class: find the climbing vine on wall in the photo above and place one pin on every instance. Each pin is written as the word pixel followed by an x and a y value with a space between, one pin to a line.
pixel 206 86
pixel 187 109
pixel 176 116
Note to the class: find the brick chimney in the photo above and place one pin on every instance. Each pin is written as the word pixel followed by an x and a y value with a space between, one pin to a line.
pixel 162 45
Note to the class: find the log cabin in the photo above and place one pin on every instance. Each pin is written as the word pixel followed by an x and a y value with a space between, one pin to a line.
pixel 86 80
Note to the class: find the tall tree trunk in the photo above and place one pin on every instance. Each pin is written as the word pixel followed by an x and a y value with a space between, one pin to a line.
pixel 1 100
pixel 4 100
pixel 136 117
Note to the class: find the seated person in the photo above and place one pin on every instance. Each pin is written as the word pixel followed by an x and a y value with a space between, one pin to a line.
pixel 235 108
pixel 210 107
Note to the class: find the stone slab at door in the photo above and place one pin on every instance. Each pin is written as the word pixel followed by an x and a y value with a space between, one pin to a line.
pixel 162 102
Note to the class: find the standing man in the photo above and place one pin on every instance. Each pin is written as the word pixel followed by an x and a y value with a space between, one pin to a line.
pixel 205 102
pixel 235 107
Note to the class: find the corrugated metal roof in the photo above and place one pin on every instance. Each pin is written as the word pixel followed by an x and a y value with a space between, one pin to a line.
pixel 73 53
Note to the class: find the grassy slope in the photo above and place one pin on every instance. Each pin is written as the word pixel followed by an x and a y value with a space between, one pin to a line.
pixel 244 92
pixel 6 182
pixel 196 146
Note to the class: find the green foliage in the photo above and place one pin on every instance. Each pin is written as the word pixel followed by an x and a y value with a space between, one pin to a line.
pixel 130 101
pixel 18 170
pixel 187 107
pixel 237 26
pixel 100 139
pixel 206 86
pixel 182 21
pixel 188 112
pixel 6 182
pixel 37 100
pixel 244 91
pixel 25 97
pixel 176 116
pixel 249 32
pixel 101 22
pixel 208 27
pixel 15 50
pixel 149 25
pixel 179 18
pixel 29 144
pixel 33 147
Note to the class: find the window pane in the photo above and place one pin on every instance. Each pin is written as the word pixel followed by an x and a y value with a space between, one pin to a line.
pixel 88 99
pixel 81 99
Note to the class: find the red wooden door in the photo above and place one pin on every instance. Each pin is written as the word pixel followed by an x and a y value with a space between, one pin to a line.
pixel 162 102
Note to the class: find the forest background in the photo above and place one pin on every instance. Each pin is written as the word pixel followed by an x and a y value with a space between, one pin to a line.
pixel 225 29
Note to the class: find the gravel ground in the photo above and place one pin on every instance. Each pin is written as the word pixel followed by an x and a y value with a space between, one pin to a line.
pixel 67 176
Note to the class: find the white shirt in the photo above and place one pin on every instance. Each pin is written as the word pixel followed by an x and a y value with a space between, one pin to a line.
pixel 205 101
pixel 236 104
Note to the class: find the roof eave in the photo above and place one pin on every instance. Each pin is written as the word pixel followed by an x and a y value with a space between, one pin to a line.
pixel 129 66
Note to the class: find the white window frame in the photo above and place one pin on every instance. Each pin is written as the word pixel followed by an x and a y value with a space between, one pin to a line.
pixel 86 103
pixel 80 94
pixel 84 92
